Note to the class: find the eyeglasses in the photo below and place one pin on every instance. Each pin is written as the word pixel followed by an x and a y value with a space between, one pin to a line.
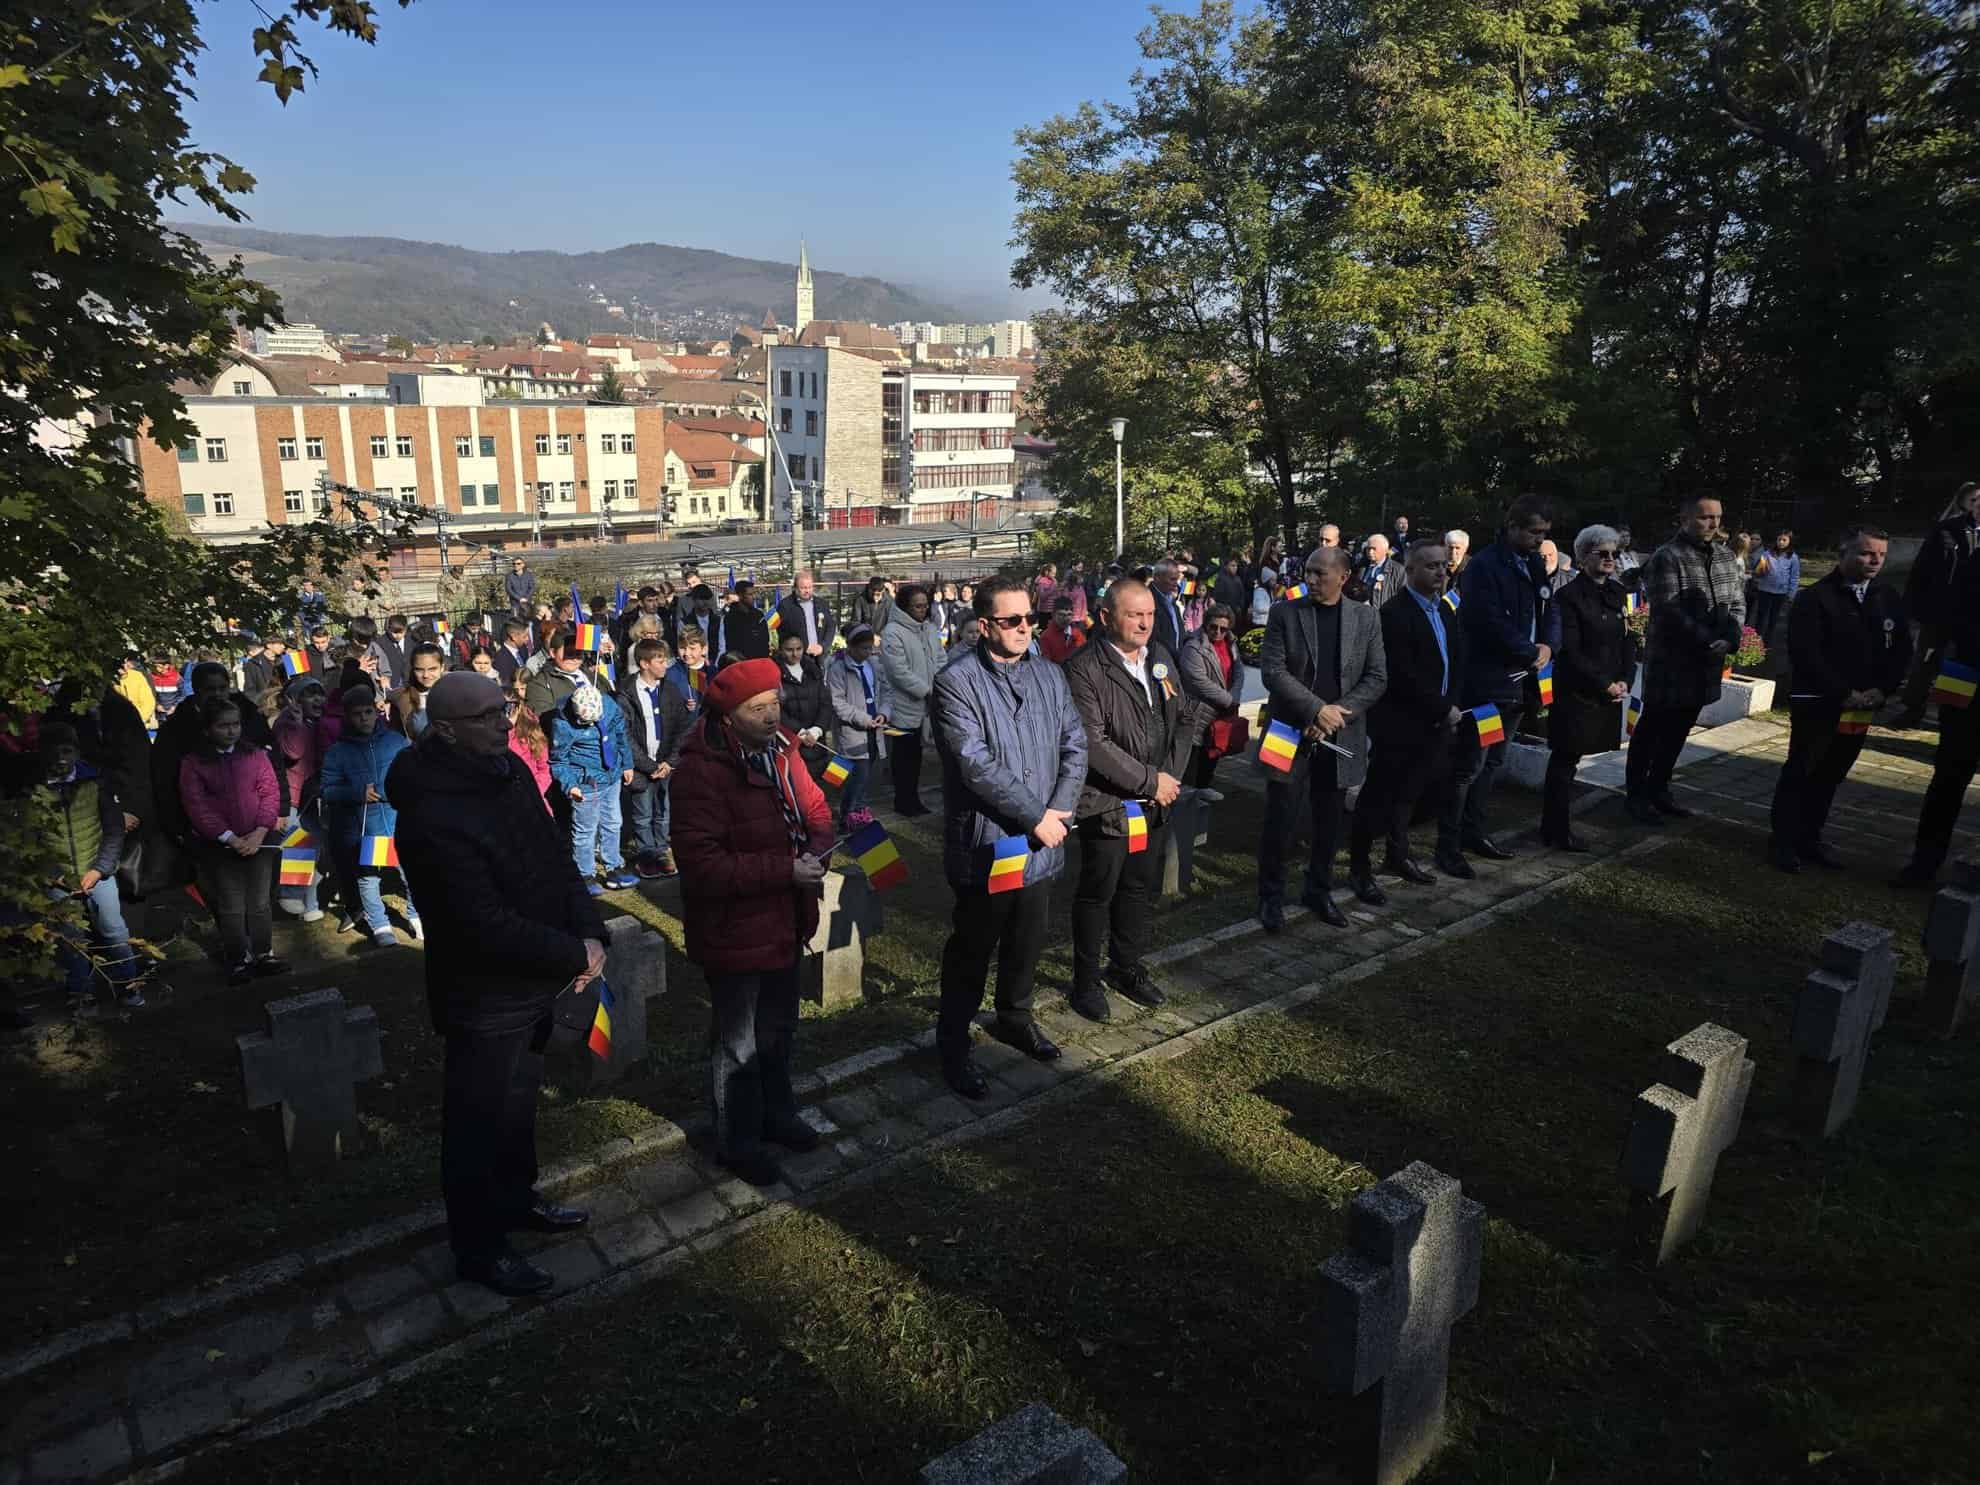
pixel 1220 627
pixel 1013 621
pixel 1605 554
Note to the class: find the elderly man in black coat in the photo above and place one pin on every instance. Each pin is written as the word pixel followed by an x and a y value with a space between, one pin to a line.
pixel 1592 676
pixel 1324 668
pixel 508 925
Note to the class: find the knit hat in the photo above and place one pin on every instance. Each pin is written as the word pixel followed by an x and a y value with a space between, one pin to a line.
pixel 463 693
pixel 736 683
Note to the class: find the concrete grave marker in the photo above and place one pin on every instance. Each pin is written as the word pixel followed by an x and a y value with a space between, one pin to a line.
pixel 1952 950
pixel 832 969
pixel 1840 1007
pixel 1189 828
pixel 1034 1446
pixel 315 1048
pixel 1677 1130
pixel 636 969
pixel 1409 1274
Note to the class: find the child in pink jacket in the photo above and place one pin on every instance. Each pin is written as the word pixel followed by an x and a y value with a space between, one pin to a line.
pixel 232 803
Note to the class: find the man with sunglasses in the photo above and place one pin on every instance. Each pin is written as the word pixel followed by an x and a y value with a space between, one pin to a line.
pixel 1013 762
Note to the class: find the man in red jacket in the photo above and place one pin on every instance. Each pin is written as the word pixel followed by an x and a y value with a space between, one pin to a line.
pixel 751 836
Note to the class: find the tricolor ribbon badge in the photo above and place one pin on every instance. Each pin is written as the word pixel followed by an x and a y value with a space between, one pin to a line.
pixel 1545 676
pixel 874 850
pixel 1955 685
pixel 1279 747
pixel 600 1040
pixel 1161 674
pixel 1854 722
pixel 1007 862
pixel 838 771
pixel 1137 826
pixel 1491 726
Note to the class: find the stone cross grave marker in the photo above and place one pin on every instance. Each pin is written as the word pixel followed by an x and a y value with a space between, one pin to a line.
pixel 1840 1006
pixel 832 970
pixel 636 970
pixel 314 1049
pixel 1034 1446
pixel 1410 1273
pixel 1952 950
pixel 1678 1128
pixel 1189 828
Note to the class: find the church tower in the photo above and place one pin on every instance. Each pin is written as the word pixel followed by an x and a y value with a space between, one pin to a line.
pixel 804 303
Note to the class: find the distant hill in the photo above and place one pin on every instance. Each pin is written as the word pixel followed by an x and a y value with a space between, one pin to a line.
pixel 432 291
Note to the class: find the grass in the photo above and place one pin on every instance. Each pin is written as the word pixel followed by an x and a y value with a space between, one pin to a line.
pixel 149 1175
pixel 1144 1259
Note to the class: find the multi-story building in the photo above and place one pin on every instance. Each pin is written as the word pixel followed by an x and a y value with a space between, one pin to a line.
pixel 504 471
pixel 294 340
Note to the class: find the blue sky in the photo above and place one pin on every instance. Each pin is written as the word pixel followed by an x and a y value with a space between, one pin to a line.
pixel 880 131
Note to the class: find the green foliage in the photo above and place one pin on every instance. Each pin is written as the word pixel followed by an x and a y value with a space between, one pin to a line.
pixel 610 388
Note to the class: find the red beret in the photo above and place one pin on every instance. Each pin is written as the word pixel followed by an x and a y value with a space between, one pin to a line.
pixel 735 684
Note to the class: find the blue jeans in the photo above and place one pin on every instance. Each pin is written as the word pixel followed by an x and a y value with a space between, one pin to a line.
pixel 371 902
pixel 595 829
pixel 649 814
pixel 107 932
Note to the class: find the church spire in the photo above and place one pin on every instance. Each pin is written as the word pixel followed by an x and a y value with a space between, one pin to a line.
pixel 804 291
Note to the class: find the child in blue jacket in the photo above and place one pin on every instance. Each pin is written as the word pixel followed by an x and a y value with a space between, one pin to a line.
pixel 590 758
pixel 352 791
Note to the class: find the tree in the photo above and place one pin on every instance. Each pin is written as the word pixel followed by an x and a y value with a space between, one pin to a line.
pixel 610 388
pixel 399 345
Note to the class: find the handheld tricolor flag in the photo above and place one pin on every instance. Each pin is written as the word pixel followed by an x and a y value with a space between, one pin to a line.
pixel 588 637
pixel 379 851
pixel 441 628
pixel 874 850
pixel 1955 685
pixel 1137 826
pixel 1452 600
pixel 697 679
pixel 1296 592
pixel 1854 722
pixel 298 859
pixel 600 1040
pixel 619 598
pixel 1007 859
pixel 291 666
pixel 1491 726
pixel 1190 587
pixel 837 771
pixel 1632 714
pixel 1545 676
pixel 611 676
pixel 1632 603
pixel 775 623
pixel 1279 747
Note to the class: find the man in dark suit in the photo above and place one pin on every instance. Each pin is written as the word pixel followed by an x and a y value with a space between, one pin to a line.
pixel 1323 667
pixel 1510 631
pixel 805 613
pixel 1411 725
pixel 513 653
pixel 1380 576
pixel 1129 695
pixel 745 631
pixel 1849 647
pixel 1165 584
pixel 1958 754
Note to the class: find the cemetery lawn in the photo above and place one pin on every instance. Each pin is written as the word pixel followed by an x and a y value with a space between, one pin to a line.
pixel 1143 1259
pixel 148 1175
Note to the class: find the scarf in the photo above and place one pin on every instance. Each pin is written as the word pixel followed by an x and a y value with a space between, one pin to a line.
pixel 764 764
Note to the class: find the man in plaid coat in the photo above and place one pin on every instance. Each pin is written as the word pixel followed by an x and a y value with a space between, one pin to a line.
pixel 1695 586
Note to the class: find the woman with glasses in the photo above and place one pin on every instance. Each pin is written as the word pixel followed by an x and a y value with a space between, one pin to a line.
pixel 1213 681
pixel 1592 674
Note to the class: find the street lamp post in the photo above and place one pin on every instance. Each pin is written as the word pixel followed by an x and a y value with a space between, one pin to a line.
pixel 1120 506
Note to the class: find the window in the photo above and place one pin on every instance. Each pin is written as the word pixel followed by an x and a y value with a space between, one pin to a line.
pixel 783 384
pixel 783 420
pixel 487 447
pixel 189 452
pixel 463 447
pixel 631 491
pixel 707 471
pixel 797 466
pixel 195 505
pixel 243 389
pixel 563 443
pixel 611 491
pixel 292 502
pixel 956 440
pixel 607 444
pixel 811 425
pixel 814 384
pixel 722 504
pixel 625 443
pixel 565 494
pixel 312 448
pixel 962 402
pixel 543 488
pixel 409 492
pixel 378 446
pixel 285 448
pixel 216 451
pixel 542 443
pixel 223 504
pixel 491 495
pixel 814 466
pixel 404 446
pixel 955 476
pixel 467 496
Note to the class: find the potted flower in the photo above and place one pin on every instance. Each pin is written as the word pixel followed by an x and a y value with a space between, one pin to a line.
pixel 1751 653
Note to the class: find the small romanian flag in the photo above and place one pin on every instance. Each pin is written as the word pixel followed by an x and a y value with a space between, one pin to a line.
pixel 1491 726
pixel 874 850
pixel 1546 678
pixel 298 859
pixel 775 621
pixel 1452 600
pixel 1137 827
pixel 1007 859
pixel 1632 714
pixel 1296 592
pixel 588 637
pixel 600 1040
pixel 1279 747
pixel 1190 587
pixel 378 851
pixel 838 771
pixel 1854 722
pixel 697 680
pixel 441 628
pixel 1955 685
pixel 1632 603
pixel 291 666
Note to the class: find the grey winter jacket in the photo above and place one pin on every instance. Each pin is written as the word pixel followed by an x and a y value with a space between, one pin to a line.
pixel 851 737
pixel 911 654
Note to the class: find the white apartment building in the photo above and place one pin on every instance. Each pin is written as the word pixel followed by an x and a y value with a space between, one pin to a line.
pixel 295 340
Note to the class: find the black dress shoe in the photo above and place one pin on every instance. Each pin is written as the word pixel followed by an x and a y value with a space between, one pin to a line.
pixel 754 1166
pixel 1090 1002
pixel 1322 907
pixel 1783 858
pixel 1409 871
pixel 1913 877
pixel 268 966
pixel 505 1273
pixel 547 1216
pixel 1138 986
pixel 1271 916
pixel 1642 811
pixel 1364 887
pixel 1455 866
pixel 1821 855
pixel 791 1132
pixel 967 1079
pixel 1490 849
pixel 1028 1039
pixel 1665 805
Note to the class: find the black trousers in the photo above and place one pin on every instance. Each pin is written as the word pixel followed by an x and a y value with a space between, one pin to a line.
pixel 905 762
pixel 1952 771
pixel 1765 613
pixel 238 891
pixel 1114 901
pixel 1398 773
pixel 1202 770
pixel 488 1133
pixel 1557 794
pixel 1314 775
pixel 1654 749
pixel 1474 772
pixel 1819 759
pixel 1010 925
pixel 753 1017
